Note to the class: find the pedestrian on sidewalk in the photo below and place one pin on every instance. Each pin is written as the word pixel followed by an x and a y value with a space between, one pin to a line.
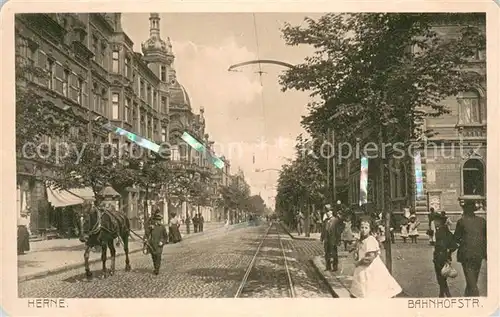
pixel 432 227
pixel 300 223
pixel 470 233
pixel 195 223
pixel 330 236
pixel 347 235
pixel 444 246
pixel 174 232
pixel 156 237
pixel 413 228
pixel 404 229
pixel 371 279
pixel 188 224
pixel 23 234
pixel 201 221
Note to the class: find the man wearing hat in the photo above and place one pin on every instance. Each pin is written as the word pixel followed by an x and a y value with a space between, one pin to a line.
pixel 330 236
pixel 156 236
pixel 470 233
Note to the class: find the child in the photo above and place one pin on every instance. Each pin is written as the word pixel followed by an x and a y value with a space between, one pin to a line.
pixel 347 235
pixel 404 229
pixel 156 236
pixel 413 228
pixel 371 279
pixel 444 246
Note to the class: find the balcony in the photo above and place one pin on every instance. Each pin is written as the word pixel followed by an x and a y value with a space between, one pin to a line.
pixel 472 131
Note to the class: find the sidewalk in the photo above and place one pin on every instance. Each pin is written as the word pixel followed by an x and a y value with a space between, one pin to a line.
pixel 53 256
pixel 412 268
pixel 294 235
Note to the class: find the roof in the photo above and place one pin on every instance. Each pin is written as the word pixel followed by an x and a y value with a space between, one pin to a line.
pixel 179 95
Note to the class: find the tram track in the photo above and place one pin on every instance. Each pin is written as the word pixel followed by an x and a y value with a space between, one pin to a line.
pixel 268 273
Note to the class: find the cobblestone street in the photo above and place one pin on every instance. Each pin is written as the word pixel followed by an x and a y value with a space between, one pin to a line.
pixel 210 266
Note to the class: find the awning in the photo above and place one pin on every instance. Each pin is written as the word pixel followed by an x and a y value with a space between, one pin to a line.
pixel 63 198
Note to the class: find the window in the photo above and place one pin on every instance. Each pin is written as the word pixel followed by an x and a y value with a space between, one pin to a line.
pixel 141 89
pixel 116 61
pixel 473 178
pixel 126 115
pixel 163 73
pixel 115 106
pixel 174 153
pixel 469 109
pixel 95 97
pixel 164 104
pixel 127 66
pixel 95 47
pixel 155 100
pixel 65 83
pixel 149 96
pixel 163 135
pixel 49 67
pixel 399 181
pixel 103 59
pixel 103 102
pixel 79 90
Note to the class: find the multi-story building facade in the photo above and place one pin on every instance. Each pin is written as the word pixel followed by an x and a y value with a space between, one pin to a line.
pixel 93 71
pixel 453 161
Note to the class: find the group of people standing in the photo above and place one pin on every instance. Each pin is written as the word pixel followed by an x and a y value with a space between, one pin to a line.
pixel 197 221
pixel 364 237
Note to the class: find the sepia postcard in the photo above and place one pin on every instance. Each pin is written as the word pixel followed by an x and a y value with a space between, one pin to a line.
pixel 177 157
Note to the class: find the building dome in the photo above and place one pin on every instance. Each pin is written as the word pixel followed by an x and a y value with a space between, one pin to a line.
pixel 179 95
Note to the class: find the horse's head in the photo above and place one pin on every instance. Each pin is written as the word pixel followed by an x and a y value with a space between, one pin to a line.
pixel 88 216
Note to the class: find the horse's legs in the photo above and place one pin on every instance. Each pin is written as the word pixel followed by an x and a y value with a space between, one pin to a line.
pixel 125 249
pixel 86 258
pixel 112 251
pixel 104 247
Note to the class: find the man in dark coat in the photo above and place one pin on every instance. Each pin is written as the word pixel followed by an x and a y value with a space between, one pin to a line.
pixel 470 233
pixel 330 236
pixel 156 237
pixel 188 224
pixel 201 220
pixel 195 223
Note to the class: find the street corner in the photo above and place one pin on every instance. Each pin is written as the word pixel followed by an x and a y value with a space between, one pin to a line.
pixel 338 282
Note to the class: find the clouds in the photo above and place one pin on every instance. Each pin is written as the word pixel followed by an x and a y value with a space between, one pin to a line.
pixel 203 71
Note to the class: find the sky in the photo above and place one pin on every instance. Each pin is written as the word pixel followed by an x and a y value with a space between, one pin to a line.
pixel 252 122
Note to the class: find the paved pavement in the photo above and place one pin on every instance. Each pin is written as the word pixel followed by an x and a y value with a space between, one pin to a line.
pixel 203 266
pixel 412 268
pixel 49 256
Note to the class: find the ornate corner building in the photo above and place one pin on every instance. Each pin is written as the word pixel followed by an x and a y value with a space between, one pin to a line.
pixel 93 71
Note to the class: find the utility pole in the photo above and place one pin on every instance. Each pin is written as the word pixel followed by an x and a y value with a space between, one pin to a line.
pixel 334 170
pixel 385 211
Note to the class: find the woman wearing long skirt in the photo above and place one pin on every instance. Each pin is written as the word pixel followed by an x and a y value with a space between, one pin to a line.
pixel 23 235
pixel 174 233
pixel 371 279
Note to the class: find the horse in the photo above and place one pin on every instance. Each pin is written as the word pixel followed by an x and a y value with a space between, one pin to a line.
pixel 105 225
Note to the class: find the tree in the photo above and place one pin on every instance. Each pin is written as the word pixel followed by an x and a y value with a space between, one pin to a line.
pixel 256 204
pixel 88 164
pixel 364 69
pixel 233 198
pixel 381 74
pixel 150 172
pixel 301 184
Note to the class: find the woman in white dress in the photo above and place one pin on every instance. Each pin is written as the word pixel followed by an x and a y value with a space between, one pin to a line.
pixel 371 279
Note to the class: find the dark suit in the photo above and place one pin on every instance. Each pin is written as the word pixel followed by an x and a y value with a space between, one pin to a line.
pixel 157 237
pixel 330 236
pixel 470 233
